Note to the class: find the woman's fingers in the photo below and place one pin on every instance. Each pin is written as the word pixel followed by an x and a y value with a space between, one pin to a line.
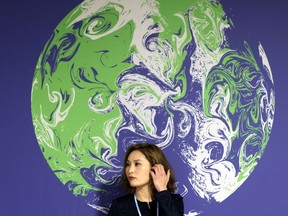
pixel 159 169
pixel 160 177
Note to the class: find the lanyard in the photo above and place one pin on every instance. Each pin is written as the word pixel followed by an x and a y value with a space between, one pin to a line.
pixel 138 209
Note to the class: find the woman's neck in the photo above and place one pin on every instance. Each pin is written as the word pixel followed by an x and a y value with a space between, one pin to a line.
pixel 144 194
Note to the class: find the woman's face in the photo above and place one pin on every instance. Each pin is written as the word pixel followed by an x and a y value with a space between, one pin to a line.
pixel 138 169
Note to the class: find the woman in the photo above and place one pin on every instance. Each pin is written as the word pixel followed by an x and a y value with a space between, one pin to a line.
pixel 149 182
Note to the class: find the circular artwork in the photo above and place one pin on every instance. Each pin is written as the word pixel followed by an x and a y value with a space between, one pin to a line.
pixel 119 72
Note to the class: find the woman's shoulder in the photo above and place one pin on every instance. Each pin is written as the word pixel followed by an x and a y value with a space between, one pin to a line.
pixel 124 199
pixel 119 206
pixel 166 194
pixel 176 196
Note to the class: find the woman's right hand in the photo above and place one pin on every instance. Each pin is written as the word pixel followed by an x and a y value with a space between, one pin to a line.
pixel 160 177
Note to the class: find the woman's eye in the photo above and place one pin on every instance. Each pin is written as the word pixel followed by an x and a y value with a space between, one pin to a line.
pixel 137 164
pixel 127 165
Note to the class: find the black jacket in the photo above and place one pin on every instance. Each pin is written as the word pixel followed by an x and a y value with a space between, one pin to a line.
pixel 169 205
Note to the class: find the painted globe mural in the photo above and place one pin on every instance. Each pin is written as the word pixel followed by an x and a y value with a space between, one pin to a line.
pixel 119 72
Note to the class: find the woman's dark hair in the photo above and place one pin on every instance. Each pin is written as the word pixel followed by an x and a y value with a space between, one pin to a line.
pixel 155 156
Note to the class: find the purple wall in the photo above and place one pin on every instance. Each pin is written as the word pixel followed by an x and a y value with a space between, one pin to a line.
pixel 29 187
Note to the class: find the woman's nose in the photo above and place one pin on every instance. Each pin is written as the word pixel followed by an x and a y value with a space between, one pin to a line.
pixel 131 169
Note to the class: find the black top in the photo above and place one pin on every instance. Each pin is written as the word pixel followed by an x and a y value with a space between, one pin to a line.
pixel 169 205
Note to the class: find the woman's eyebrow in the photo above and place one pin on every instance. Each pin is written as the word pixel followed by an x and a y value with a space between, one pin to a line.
pixel 136 160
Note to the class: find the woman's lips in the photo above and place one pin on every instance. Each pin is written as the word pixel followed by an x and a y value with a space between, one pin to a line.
pixel 131 178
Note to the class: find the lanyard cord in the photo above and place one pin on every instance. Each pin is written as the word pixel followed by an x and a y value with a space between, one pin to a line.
pixel 138 209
